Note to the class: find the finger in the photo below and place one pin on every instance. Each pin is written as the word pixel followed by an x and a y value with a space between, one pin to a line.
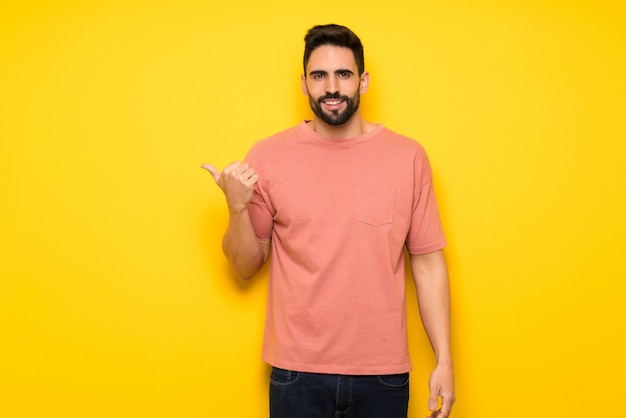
pixel 252 180
pixel 446 406
pixel 247 175
pixel 432 400
pixel 234 169
pixel 214 171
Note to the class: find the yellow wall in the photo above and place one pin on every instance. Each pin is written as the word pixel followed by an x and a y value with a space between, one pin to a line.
pixel 115 298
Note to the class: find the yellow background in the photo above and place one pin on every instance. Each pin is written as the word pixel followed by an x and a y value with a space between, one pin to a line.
pixel 115 298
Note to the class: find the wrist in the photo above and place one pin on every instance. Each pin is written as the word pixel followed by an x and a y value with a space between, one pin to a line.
pixel 444 360
pixel 237 210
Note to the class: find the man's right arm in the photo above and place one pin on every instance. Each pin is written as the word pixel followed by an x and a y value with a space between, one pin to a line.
pixel 244 250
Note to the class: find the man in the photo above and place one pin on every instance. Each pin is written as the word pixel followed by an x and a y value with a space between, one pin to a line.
pixel 338 199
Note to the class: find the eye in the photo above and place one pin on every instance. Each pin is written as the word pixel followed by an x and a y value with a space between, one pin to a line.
pixel 318 76
pixel 344 74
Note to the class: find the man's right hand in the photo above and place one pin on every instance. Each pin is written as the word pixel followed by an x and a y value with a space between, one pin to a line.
pixel 237 181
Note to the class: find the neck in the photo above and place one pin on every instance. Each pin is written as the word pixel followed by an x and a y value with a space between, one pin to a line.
pixel 356 126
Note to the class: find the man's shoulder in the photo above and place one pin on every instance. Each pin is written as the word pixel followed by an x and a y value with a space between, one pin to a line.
pixel 273 146
pixel 402 141
pixel 276 139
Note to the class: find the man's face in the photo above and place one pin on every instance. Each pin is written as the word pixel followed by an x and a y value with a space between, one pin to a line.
pixel 333 85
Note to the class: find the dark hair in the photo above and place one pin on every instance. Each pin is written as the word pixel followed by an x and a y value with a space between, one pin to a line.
pixel 335 35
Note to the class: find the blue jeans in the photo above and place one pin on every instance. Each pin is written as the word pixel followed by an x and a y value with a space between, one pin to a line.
pixel 311 395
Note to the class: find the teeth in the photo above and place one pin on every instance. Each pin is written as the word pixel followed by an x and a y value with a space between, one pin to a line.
pixel 332 102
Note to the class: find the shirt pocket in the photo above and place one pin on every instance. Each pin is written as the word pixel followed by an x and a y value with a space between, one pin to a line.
pixel 374 207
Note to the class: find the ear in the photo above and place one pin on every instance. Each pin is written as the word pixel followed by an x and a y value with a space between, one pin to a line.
pixel 305 91
pixel 365 82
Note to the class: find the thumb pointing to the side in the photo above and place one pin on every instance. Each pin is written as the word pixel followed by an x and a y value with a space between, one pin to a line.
pixel 214 171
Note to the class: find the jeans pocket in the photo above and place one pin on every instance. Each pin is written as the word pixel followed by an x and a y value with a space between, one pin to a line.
pixel 282 377
pixel 394 380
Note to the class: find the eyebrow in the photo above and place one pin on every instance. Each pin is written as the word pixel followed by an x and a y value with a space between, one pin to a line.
pixel 341 70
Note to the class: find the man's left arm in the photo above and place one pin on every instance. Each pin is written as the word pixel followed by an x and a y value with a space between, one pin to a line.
pixel 433 293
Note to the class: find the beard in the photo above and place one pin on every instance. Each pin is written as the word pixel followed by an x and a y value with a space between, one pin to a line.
pixel 335 117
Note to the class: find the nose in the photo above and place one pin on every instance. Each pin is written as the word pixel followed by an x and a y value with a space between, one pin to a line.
pixel 332 85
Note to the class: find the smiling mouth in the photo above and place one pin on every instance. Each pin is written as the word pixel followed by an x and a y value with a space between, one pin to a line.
pixel 333 105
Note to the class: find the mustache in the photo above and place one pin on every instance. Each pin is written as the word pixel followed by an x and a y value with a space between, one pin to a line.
pixel 329 96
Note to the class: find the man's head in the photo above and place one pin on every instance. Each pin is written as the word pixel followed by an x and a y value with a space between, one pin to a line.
pixel 334 75
pixel 335 35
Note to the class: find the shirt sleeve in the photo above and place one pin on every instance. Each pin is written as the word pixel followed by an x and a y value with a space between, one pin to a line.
pixel 426 233
pixel 260 209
